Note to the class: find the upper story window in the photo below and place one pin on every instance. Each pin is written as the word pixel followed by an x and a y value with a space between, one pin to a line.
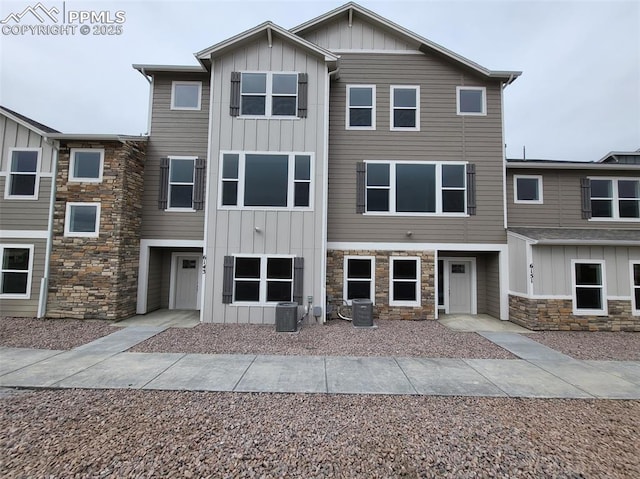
pixel 527 189
pixel 471 100
pixel 86 165
pixel 82 220
pixel 266 180
pixel 416 188
pixel 361 107
pixel 185 95
pixel 15 271
pixel 405 108
pixel 589 295
pixel 24 170
pixel 269 94
pixel 181 181
pixel 615 198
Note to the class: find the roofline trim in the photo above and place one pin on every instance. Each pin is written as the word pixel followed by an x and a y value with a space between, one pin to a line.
pixel 532 165
pixel 144 69
pixel 96 137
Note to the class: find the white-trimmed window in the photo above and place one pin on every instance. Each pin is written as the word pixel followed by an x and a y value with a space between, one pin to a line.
pixel 86 165
pixel 589 291
pixel 186 95
pixel 416 188
pixel 181 182
pixel 361 107
pixel 404 280
pixel 359 278
pixel 527 189
pixel 262 279
pixel 405 107
pixel 471 100
pixel 269 94
pixel 266 180
pixel 16 268
pixel 615 198
pixel 24 174
pixel 635 288
pixel 82 220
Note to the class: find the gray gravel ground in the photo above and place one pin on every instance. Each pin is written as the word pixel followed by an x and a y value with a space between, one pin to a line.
pixel 336 338
pixel 51 333
pixel 75 433
pixel 618 346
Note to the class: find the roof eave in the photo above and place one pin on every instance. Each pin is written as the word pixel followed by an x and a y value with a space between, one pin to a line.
pixel 146 69
pixel 96 137
pixel 532 165
pixel 26 124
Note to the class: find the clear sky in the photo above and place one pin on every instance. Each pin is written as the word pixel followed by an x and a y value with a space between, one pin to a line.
pixel 578 97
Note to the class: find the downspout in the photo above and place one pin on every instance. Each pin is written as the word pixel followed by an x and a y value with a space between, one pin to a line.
pixel 44 283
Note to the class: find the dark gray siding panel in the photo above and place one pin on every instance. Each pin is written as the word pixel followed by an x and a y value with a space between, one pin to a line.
pixel 27 307
pixel 492 287
pixel 443 136
pixel 12 212
pixel 155 279
pixel 173 133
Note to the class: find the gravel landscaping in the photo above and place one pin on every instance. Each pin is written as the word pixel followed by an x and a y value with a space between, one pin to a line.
pixel 618 346
pixel 51 333
pixel 336 338
pixel 74 433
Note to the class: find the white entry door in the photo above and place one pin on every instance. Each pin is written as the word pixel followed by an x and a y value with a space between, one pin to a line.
pixel 460 287
pixel 187 281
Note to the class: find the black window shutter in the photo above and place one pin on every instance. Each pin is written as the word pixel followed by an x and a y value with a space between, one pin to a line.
pixel 471 189
pixel 163 190
pixel 298 276
pixel 234 102
pixel 199 185
pixel 303 81
pixel 227 280
pixel 585 188
pixel 360 186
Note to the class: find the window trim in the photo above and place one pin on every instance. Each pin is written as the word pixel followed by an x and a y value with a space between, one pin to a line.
pixel 372 279
pixel 72 162
pixel 30 247
pixel 7 185
pixel 635 308
pixel 290 181
pixel 173 95
pixel 268 105
pixel 602 287
pixel 484 100
pixel 263 279
pixel 418 301
pixel 82 234
pixel 439 189
pixel 193 184
pixel 348 106
pixel 615 199
pixel 540 199
pixel 392 108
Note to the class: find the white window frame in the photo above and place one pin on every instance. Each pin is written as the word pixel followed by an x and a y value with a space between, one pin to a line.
pixel 540 199
pixel 72 162
pixel 173 95
pixel 27 294
pixel 418 301
pixel 192 183
pixel 372 279
pixel 10 173
pixel 615 198
pixel 81 234
pixel 484 100
pixel 439 189
pixel 290 181
pixel 348 107
pixel 268 106
pixel 602 287
pixel 392 89
pixel 635 308
pixel 262 301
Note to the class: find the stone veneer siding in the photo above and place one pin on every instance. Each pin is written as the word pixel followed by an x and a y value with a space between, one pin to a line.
pixel 557 315
pixel 97 278
pixel 381 308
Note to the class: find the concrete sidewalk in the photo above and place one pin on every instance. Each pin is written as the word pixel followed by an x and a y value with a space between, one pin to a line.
pixel 102 364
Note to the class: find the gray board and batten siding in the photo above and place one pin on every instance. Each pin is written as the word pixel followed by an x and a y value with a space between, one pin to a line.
pixel 443 136
pixel 173 133
pixel 265 231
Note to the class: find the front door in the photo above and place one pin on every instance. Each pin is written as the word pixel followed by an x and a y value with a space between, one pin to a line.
pixel 460 300
pixel 187 282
